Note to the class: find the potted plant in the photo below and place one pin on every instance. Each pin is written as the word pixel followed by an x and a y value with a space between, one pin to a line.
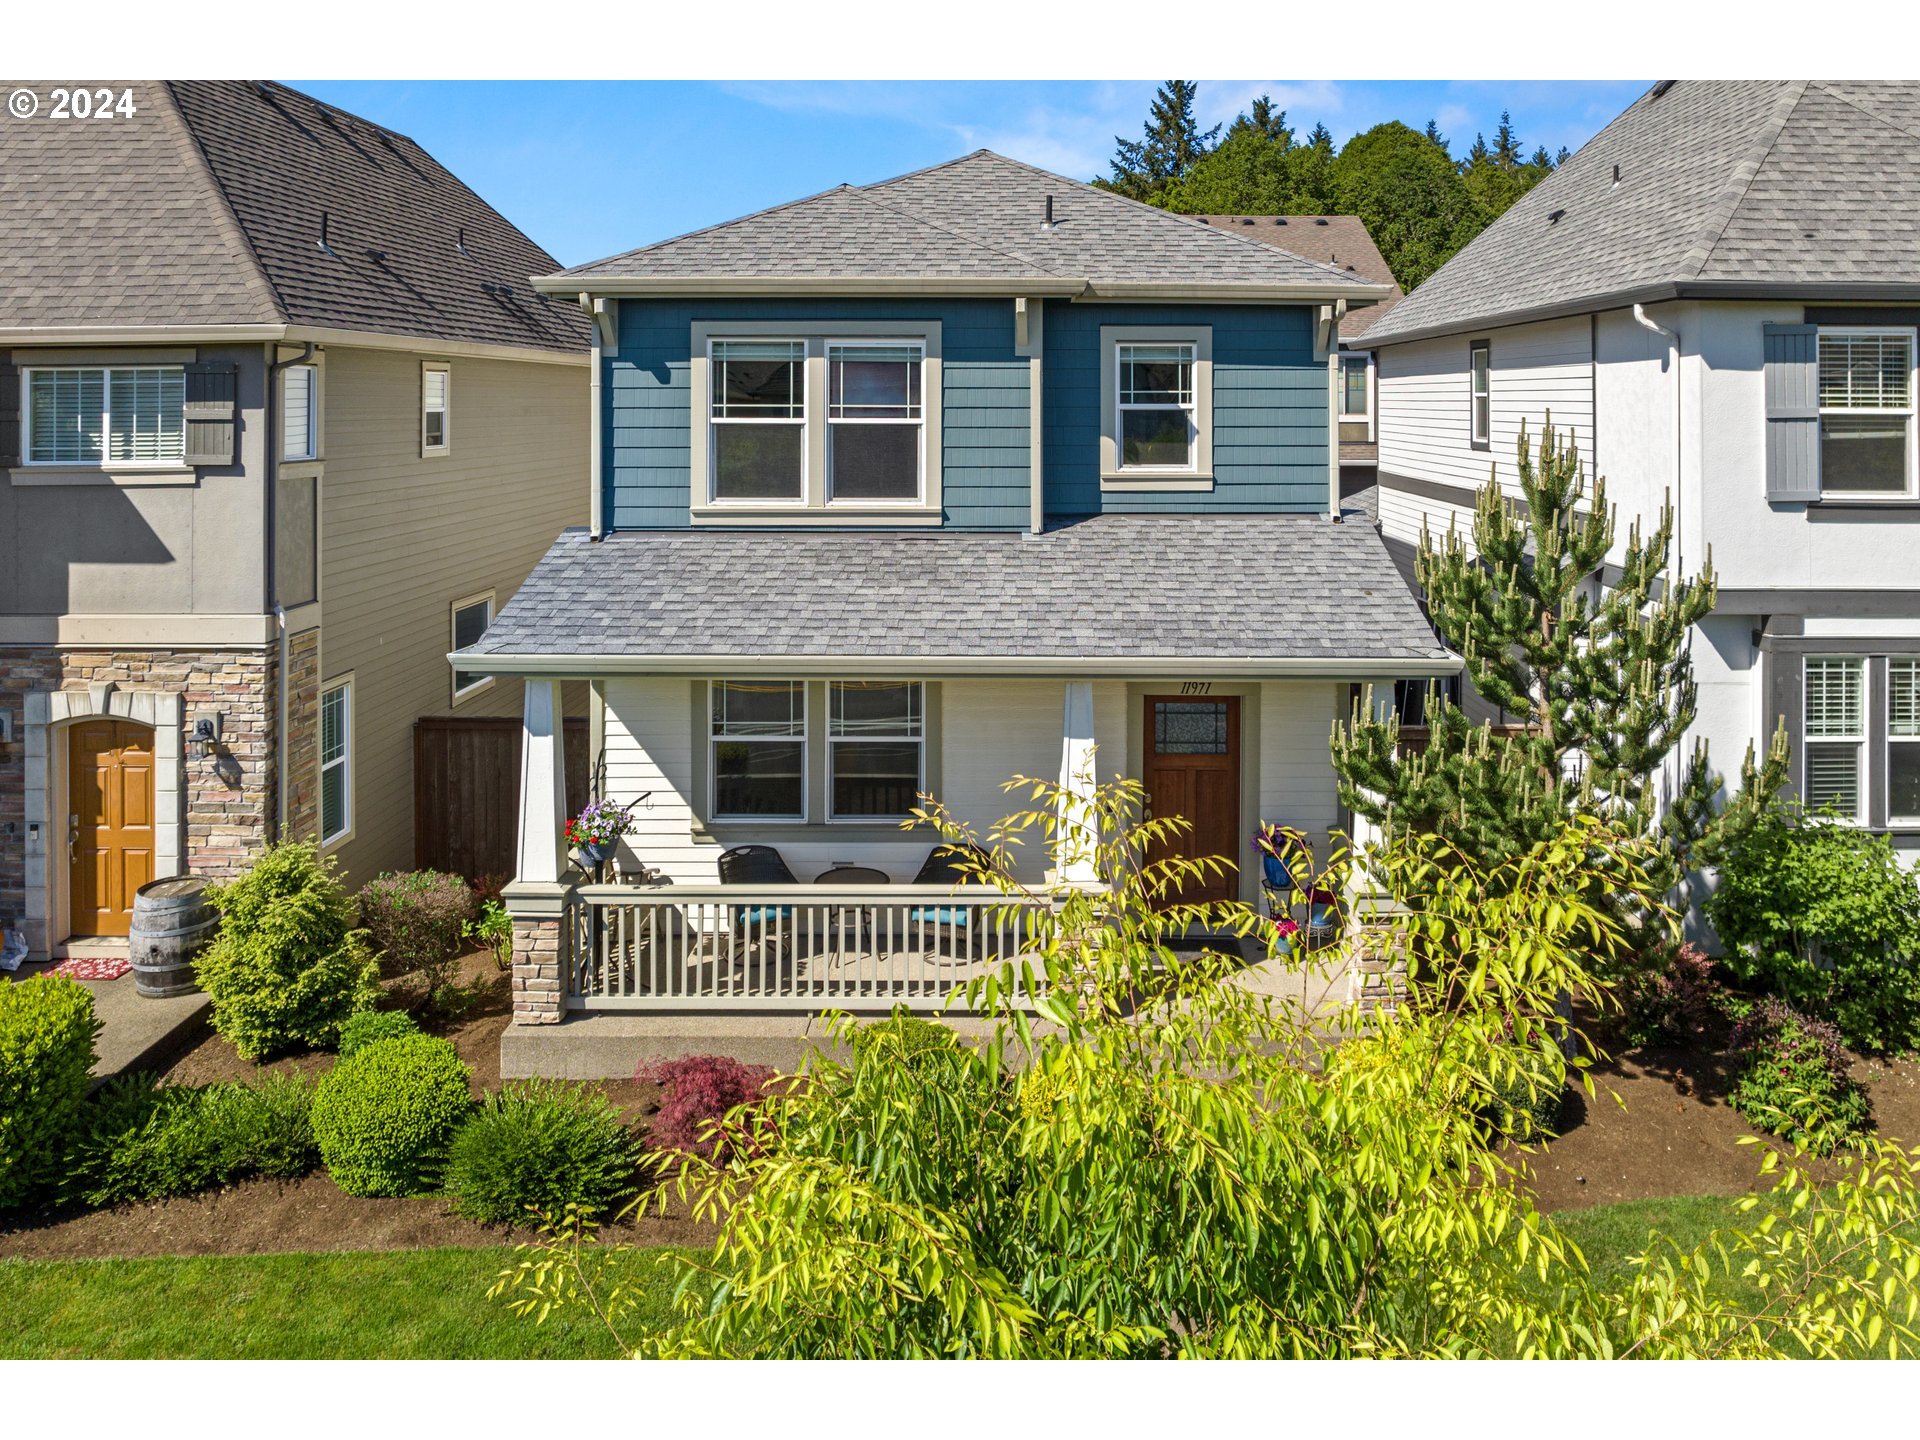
pixel 595 832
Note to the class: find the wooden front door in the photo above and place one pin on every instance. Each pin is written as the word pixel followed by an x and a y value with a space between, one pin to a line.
pixel 1193 770
pixel 110 822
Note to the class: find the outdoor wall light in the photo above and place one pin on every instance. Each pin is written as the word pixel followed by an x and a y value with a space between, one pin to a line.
pixel 206 734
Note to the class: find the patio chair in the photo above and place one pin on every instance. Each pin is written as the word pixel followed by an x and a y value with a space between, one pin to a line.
pixel 947 865
pixel 757 865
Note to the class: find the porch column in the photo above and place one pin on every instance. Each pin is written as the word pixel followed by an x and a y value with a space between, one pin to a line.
pixel 1079 819
pixel 1377 971
pixel 537 898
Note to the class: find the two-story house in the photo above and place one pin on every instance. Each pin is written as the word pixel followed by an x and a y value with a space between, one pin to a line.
pixel 282 424
pixel 909 488
pixel 1718 298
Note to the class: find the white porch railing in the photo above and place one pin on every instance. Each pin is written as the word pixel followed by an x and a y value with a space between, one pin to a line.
pixel 783 947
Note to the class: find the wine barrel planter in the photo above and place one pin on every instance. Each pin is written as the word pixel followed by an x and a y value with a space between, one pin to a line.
pixel 172 923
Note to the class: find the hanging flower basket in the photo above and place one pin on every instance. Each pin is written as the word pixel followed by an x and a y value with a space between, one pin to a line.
pixel 595 832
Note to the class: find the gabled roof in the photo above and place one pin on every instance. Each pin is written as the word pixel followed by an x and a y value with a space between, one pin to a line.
pixel 1342 241
pixel 957 602
pixel 204 209
pixel 973 224
pixel 1724 188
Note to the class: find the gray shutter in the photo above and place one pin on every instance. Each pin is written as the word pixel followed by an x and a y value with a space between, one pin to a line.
pixel 212 417
pixel 10 415
pixel 1792 356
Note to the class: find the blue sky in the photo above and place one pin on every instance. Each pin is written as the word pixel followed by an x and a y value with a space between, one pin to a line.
pixel 591 168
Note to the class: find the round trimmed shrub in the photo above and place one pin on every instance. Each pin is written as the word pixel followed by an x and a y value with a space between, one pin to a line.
pixel 1792 1080
pixel 368 1026
pixel 383 1116
pixel 417 920
pixel 540 1145
pixel 47 1029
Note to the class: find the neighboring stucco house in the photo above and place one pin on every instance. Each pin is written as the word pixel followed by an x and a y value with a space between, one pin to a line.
pixel 911 487
pixel 282 422
pixel 1718 298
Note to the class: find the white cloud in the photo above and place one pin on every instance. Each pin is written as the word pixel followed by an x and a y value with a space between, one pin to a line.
pixel 1305 101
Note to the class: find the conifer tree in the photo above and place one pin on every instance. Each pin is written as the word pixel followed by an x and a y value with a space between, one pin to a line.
pixel 1171 143
pixel 1597 688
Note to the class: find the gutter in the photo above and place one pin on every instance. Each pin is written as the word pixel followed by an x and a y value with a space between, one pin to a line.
pixel 1079 667
pixel 274 367
pixel 634 287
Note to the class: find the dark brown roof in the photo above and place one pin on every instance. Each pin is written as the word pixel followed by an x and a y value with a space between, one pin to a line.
pixel 1341 241
pixel 204 208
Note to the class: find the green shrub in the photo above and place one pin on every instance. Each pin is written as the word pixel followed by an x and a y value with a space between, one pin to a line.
pixel 287 967
pixel 368 1026
pixel 417 920
pixel 1670 996
pixel 1528 1086
pixel 145 1141
pixel 494 929
pixel 1824 916
pixel 47 1029
pixel 384 1115
pixel 1791 1078
pixel 540 1145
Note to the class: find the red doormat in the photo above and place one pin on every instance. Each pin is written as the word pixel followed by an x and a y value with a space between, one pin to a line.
pixel 94 967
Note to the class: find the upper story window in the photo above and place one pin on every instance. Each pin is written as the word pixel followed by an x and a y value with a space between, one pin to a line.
pixel 299 413
pixel 1867 411
pixel 436 405
pixel 1156 407
pixel 759 420
pixel 1355 387
pixel 759 739
pixel 1836 736
pixel 1480 419
pixel 875 420
pixel 106 415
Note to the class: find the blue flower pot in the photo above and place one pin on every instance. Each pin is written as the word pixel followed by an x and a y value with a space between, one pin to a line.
pixel 592 857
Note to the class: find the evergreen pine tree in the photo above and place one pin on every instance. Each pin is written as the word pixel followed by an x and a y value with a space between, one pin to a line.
pixel 1171 143
pixel 1433 134
pixel 1600 687
pixel 1263 120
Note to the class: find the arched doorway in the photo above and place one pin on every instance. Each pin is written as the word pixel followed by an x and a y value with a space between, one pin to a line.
pixel 111 829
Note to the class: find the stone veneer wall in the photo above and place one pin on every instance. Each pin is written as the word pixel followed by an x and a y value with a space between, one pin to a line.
pixel 229 795
pixel 303 736
pixel 537 996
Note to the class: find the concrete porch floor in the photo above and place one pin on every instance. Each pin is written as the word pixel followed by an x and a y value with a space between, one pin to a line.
pixel 138 1033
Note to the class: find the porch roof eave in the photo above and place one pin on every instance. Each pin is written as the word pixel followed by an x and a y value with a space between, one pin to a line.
pixel 955 667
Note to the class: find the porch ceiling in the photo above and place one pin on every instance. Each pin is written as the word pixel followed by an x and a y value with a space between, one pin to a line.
pixel 1244 595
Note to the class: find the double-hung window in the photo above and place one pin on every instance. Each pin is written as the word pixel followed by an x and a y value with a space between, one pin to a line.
pixel 471 617
pixel 759 740
pixel 1158 423
pixel 1354 387
pixel 875 420
pixel 1836 736
pixel 759 420
pixel 876 748
pixel 336 761
pixel 1480 381
pixel 436 405
pixel 1903 741
pixel 106 415
pixel 299 416
pixel 1866 411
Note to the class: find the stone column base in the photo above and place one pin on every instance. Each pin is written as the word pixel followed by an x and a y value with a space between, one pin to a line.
pixel 1378 975
pixel 539 952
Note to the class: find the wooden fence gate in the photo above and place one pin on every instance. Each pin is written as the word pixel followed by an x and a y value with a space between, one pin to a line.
pixel 466 791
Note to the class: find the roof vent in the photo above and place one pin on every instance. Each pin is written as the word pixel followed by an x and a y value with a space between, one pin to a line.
pixel 377 255
pixel 1246 219
pixel 1319 219
pixel 1553 216
pixel 1203 219
pixel 328 249
pixel 1616 174
pixel 1279 219
pixel 1659 89
pixel 1046 222
pixel 460 242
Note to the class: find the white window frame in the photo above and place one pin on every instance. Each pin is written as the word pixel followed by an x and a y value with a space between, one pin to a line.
pixel 481 597
pixel 805 737
pixel 1123 407
pixel 1197 474
pixel 1364 362
pixel 342 686
pixel 1896 822
pixel 29 461
pixel 713 422
pixel 437 367
pixel 919 422
pixel 1863 776
pixel 1911 335
pixel 309 449
pixel 1480 435
pixel 834 741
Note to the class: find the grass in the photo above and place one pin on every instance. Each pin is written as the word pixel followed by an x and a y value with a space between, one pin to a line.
pixel 400 1305
pixel 1610 1235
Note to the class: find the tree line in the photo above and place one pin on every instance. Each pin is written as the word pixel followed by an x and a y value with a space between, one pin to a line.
pixel 1420 204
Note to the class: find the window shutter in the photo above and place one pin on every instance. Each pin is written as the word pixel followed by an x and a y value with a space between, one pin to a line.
pixel 9 415
pixel 212 416
pixel 1792 363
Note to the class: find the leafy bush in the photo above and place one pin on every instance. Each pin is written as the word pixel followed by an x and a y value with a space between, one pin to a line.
pixel 365 1028
pixel 287 967
pixel 145 1141
pixel 47 1030
pixel 1823 915
pixel 383 1116
pixel 541 1145
pixel 1671 996
pixel 696 1091
pixel 1526 1083
pixel 1791 1078
pixel 494 929
pixel 417 920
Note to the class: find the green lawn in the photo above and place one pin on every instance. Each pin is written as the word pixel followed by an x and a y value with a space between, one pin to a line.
pixel 400 1305
pixel 1611 1234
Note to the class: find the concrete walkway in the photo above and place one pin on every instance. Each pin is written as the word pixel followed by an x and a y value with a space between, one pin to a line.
pixel 138 1033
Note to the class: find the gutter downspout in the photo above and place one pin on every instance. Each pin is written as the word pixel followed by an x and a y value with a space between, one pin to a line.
pixel 1330 318
pixel 274 367
pixel 1647 322
pixel 596 311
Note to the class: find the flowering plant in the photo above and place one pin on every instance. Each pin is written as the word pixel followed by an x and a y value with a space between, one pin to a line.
pixel 601 823
pixel 1282 842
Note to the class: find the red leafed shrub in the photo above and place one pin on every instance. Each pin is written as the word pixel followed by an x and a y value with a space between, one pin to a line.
pixel 1673 996
pixel 695 1090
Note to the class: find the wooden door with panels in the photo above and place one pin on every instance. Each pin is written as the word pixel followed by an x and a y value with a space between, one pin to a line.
pixel 1191 745
pixel 110 823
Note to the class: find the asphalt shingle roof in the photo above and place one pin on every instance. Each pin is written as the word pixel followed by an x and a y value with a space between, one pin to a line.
pixel 204 208
pixel 1725 187
pixel 1343 240
pixel 1116 588
pixel 980 217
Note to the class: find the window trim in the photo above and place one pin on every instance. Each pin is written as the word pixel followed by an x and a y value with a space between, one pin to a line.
pixel 1365 359
pixel 104 464
pixel 1118 478
pixel 340 684
pixel 711 423
pixel 805 738
pixel 485 682
pixel 1894 822
pixel 1911 334
pixel 919 741
pixel 827 422
pixel 1478 438
pixel 815 507
pixel 1864 777
pixel 312 449
pixel 445 447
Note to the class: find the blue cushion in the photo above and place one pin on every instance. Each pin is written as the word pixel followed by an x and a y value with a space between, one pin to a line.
pixel 940 914
pixel 762 914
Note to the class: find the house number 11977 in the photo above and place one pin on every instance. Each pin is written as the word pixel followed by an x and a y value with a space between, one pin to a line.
pixel 1196 687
